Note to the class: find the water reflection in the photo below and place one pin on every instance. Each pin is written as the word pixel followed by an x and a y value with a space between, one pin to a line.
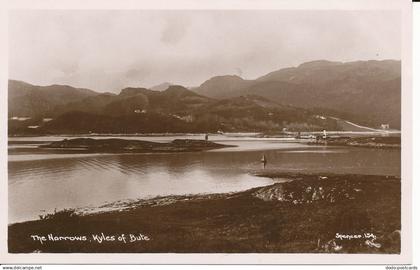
pixel 45 182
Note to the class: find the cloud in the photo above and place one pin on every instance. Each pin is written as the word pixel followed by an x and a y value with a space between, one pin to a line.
pixel 175 29
pixel 109 50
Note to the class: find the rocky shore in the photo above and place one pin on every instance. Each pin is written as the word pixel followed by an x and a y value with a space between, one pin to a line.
pixel 132 146
pixel 305 213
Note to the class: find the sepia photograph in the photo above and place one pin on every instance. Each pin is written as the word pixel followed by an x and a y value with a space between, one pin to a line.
pixel 205 131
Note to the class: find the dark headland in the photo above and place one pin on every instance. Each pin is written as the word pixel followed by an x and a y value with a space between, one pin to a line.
pixel 307 213
pixel 133 146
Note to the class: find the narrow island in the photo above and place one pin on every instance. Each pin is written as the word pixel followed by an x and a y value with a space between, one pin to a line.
pixel 133 146
pixel 365 141
pixel 304 213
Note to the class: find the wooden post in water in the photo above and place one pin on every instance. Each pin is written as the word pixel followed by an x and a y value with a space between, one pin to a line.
pixel 264 161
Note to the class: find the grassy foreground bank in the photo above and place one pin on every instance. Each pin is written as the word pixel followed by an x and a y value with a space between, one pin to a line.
pixel 308 214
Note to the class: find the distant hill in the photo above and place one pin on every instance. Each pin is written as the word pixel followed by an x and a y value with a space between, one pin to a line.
pixel 256 113
pixel 223 86
pixel 322 72
pixel 191 113
pixel 175 99
pixel 296 99
pixel 177 109
pixel 130 100
pixel 367 91
pixel 26 100
pixel 161 87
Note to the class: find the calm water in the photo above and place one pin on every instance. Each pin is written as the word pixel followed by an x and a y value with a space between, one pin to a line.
pixel 42 180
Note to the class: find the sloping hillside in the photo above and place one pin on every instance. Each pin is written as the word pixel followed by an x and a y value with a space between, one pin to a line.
pixel 177 109
pixel 363 92
pixel 367 91
pixel 26 100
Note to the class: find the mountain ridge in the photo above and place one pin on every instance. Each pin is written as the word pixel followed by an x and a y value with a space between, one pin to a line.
pixel 366 92
pixel 350 87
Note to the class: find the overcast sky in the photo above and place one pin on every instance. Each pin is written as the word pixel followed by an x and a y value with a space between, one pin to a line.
pixel 110 50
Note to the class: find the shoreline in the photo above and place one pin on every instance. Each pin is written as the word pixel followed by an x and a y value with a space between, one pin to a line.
pixel 233 134
pixel 368 142
pixel 301 215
